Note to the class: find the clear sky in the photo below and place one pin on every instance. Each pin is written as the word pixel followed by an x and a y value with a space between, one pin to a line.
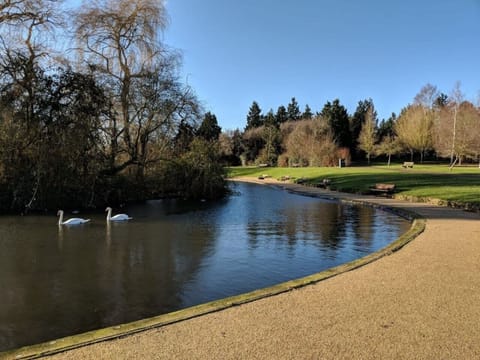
pixel 238 51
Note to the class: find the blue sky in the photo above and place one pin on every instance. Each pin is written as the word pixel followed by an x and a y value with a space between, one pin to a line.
pixel 238 51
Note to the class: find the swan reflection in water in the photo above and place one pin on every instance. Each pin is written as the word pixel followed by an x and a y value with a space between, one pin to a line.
pixel 117 218
pixel 60 238
pixel 69 222
pixel 108 234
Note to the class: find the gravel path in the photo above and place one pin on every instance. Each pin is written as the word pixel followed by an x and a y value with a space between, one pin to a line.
pixel 422 302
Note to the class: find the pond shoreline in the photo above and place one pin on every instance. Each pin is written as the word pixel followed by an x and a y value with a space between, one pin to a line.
pixel 380 310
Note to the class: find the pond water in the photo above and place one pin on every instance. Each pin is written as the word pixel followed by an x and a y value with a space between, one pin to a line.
pixel 58 281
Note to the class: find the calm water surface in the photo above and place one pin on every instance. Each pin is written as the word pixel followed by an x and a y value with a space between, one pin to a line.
pixel 56 281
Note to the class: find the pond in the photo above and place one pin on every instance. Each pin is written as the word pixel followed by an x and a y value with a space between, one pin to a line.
pixel 58 281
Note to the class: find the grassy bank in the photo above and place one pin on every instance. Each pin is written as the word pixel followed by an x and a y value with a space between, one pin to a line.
pixel 459 187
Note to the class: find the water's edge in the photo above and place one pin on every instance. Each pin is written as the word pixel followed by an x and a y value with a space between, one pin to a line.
pixel 113 332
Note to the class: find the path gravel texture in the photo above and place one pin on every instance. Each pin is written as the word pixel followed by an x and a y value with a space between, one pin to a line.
pixel 422 302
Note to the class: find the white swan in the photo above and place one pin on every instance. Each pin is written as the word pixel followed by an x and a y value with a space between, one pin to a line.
pixel 118 217
pixel 72 221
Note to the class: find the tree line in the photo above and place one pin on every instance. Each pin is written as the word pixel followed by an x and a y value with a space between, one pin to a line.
pixel 434 125
pixel 107 119
pixel 103 121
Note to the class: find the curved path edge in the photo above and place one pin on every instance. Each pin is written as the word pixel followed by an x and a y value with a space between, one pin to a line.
pixel 122 330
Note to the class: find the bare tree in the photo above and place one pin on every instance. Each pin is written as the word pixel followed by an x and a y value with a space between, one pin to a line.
pixel 414 129
pixel 389 146
pixel 121 37
pixel 456 132
pixel 25 29
pixel 120 41
pixel 468 125
pixel 367 137
pixel 226 144
pixel 29 25
pixel 456 98
pixel 427 96
pixel 311 143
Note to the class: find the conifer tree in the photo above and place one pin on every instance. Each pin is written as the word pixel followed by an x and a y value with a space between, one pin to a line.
pixel 337 117
pixel 281 116
pixel 307 114
pixel 254 117
pixel 270 119
pixel 209 129
pixel 293 111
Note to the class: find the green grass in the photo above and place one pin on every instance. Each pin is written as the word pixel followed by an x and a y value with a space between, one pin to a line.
pixel 459 186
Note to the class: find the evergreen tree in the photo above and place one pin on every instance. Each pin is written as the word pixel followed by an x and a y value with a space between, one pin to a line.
pixel 358 119
pixel 270 119
pixel 281 116
pixel 237 143
pixel 307 114
pixel 252 143
pixel 183 138
pixel 209 129
pixel 269 152
pixel 386 128
pixel 254 117
pixel 337 118
pixel 293 111
pixel 441 101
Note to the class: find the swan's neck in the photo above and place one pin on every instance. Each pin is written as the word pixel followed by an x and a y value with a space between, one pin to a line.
pixel 60 220
pixel 109 214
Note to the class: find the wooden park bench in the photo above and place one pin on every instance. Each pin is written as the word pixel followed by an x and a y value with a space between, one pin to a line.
pixel 264 176
pixel 385 189
pixel 408 164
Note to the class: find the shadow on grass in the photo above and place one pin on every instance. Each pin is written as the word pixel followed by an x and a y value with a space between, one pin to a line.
pixel 454 187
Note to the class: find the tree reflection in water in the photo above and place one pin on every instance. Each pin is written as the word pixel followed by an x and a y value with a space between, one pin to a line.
pixel 174 254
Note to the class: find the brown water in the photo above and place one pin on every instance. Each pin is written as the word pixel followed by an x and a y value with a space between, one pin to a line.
pixel 56 281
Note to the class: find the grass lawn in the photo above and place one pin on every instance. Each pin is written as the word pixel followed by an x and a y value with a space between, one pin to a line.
pixel 458 186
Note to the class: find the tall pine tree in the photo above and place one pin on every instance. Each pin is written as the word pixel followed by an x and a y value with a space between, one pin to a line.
pixel 254 117
pixel 337 118
pixel 293 111
pixel 307 114
pixel 387 127
pixel 209 129
pixel 281 116
pixel 183 138
pixel 270 119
